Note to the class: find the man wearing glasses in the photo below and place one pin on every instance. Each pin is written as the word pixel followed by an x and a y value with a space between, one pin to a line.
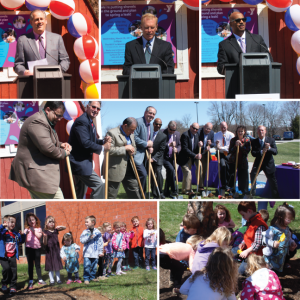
pixel 173 146
pixel 159 145
pixel 189 155
pixel 241 41
pixel 83 138
pixel 36 165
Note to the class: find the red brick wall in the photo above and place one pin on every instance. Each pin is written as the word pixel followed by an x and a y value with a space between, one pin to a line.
pixel 72 214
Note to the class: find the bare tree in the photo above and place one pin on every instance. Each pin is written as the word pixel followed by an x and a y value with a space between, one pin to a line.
pixel 255 114
pixel 186 120
pixel 222 111
pixel 273 118
pixel 181 127
pixel 289 111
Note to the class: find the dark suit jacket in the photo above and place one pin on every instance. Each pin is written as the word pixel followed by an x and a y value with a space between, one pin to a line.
pixel 84 143
pixel 175 139
pixel 134 54
pixel 159 146
pixel 210 137
pixel 186 148
pixel 28 51
pixel 230 50
pixel 243 150
pixel 268 165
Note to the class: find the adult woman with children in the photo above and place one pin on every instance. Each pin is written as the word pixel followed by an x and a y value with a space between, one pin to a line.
pixel 239 145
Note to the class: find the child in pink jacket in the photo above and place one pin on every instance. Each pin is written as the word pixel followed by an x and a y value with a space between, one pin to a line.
pixel 119 246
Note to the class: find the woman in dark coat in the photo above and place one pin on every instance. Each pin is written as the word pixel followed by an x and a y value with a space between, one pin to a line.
pixel 243 142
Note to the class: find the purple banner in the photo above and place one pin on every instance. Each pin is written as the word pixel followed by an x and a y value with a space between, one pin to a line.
pixel 11 27
pixel 122 23
pixel 215 28
pixel 12 116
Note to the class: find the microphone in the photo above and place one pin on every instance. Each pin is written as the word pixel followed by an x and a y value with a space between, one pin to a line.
pixel 46 50
pixel 148 49
pixel 257 42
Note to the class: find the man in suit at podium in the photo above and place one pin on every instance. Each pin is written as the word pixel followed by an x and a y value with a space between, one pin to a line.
pixel 148 49
pixel 40 44
pixel 260 145
pixel 241 41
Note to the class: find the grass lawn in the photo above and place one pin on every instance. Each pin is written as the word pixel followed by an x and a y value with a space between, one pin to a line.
pixel 286 152
pixel 122 193
pixel 171 214
pixel 139 284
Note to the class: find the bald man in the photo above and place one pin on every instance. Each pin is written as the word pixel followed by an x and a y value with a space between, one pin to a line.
pixel 222 141
pixel 241 41
pixel 189 155
pixel 159 145
pixel 206 138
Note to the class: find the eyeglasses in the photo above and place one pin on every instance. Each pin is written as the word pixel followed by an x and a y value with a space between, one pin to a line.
pixel 239 20
pixel 58 116
pixel 195 128
pixel 157 124
pixel 172 129
pixel 95 107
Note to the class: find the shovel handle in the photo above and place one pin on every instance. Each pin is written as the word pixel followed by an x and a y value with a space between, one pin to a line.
pixel 236 165
pixel 106 174
pixel 137 175
pixel 176 175
pixel 258 170
pixel 71 178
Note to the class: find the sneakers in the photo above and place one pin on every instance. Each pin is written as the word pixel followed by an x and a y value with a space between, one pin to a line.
pixel 30 286
pixel 52 283
pixel 147 268
pixel 118 273
pixel 78 281
pixel 123 273
pixel 102 278
pixel 136 267
pixel 12 291
pixel 86 282
pixel 124 268
pixel 154 268
pixel 128 268
pixel 59 282
pixel 4 288
pixel 69 281
pixel 110 274
pixel 42 282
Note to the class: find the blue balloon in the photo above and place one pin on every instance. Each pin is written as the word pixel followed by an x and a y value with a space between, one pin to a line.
pixel 253 2
pixel 289 21
pixel 204 1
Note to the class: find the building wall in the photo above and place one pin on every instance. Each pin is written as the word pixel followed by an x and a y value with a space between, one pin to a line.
pixel 183 88
pixel 282 52
pixel 9 90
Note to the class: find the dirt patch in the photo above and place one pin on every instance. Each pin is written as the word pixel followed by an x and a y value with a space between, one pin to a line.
pixel 47 293
pixel 289 279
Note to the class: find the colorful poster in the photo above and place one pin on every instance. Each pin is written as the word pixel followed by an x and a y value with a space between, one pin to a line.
pixel 13 114
pixel 215 28
pixel 11 27
pixel 122 23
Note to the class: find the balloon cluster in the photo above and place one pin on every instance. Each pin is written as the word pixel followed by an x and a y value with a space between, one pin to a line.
pixel 79 25
pixel 192 4
pixel 71 113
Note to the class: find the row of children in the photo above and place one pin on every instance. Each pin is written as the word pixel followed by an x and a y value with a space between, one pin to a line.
pixel 100 247
pixel 211 261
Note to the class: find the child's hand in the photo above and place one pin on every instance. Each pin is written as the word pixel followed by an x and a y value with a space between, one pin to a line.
pixel 92 236
pixel 65 259
pixel 293 246
pixel 101 254
pixel 32 229
pixel 120 250
pixel 276 244
pixel 245 253
pixel 77 250
pixel 241 246
pixel 5 224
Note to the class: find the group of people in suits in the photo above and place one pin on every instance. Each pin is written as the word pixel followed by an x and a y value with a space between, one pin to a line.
pixel 131 146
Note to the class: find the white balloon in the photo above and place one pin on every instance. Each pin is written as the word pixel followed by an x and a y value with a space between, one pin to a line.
pixel 298 65
pixel 296 41
pixel 69 126
pixel 295 14
pixel 71 109
pixel 276 9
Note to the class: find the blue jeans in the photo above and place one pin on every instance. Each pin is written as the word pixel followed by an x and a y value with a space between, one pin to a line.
pixel 138 256
pixel 90 268
pixel 119 265
pixel 148 252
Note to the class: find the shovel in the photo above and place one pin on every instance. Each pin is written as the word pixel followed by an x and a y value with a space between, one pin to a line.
pixel 137 176
pixel 236 195
pixel 149 174
pixel 106 174
pixel 71 178
pixel 219 190
pixel 153 175
pixel 207 175
pixel 254 182
pixel 198 174
pixel 176 175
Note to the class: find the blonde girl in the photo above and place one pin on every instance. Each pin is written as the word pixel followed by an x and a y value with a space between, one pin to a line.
pixel 217 281
pixel 33 245
pixel 119 245
pixel 69 253
pixel 128 235
pixel 150 243
pixel 108 258
pixel 223 217
pixel 53 261
pixel 262 283
pixel 219 238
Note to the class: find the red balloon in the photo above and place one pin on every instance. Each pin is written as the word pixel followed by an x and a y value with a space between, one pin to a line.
pixel 225 0
pixel 280 3
pixel 192 4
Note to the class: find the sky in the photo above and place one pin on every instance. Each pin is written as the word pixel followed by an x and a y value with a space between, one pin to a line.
pixel 114 112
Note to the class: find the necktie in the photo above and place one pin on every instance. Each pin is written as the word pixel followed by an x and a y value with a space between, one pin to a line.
pixel 261 144
pixel 147 52
pixel 243 46
pixel 193 142
pixel 41 48
pixel 148 131
pixel 154 135
pixel 224 142
pixel 170 148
